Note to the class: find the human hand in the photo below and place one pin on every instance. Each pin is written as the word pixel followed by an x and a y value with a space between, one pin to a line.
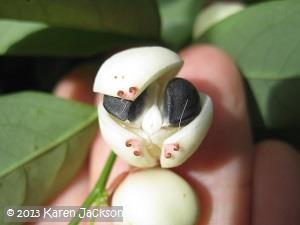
pixel 237 182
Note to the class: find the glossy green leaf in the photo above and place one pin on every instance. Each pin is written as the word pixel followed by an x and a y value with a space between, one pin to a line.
pixel 264 41
pixel 75 28
pixel 177 20
pixel 44 141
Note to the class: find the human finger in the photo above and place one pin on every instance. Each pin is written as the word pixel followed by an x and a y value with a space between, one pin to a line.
pixel 276 184
pixel 220 170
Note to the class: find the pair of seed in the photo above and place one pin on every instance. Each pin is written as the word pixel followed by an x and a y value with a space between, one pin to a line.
pixel 160 113
pixel 181 104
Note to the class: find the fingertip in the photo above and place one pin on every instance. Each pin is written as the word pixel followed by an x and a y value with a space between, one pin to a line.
pixel 223 163
pixel 274 158
pixel 212 69
pixel 276 185
pixel 77 84
pixel 207 59
pixel 214 73
pixel 282 150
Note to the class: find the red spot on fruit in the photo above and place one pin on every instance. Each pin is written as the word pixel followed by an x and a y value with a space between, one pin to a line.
pixel 172 147
pixel 128 143
pixel 137 153
pixel 168 155
pixel 133 90
pixel 176 147
pixel 120 93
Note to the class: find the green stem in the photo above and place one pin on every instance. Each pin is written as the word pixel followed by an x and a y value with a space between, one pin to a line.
pixel 101 200
pixel 99 187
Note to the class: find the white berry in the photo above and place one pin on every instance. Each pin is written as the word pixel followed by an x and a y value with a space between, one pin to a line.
pixel 213 14
pixel 156 197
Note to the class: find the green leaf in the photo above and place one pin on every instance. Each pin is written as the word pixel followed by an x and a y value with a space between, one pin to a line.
pixel 257 1
pixel 44 141
pixel 177 20
pixel 75 28
pixel 264 41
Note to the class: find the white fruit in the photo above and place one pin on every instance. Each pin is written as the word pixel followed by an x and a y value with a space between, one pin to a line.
pixel 213 14
pixel 149 140
pixel 135 69
pixel 190 136
pixel 156 197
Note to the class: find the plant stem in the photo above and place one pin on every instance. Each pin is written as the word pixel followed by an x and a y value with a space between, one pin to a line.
pixel 100 201
pixel 99 187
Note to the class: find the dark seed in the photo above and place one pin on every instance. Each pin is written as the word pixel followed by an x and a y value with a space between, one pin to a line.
pixel 124 109
pixel 137 107
pixel 181 102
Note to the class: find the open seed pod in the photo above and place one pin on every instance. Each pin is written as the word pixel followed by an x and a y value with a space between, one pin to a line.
pixel 146 115
pixel 156 196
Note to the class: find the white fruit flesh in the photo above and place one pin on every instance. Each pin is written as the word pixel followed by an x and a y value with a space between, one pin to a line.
pixel 135 67
pixel 156 197
pixel 190 136
pixel 116 137
pixel 152 121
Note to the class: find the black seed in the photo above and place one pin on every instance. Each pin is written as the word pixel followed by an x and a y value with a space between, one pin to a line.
pixel 181 102
pixel 124 109
pixel 137 107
